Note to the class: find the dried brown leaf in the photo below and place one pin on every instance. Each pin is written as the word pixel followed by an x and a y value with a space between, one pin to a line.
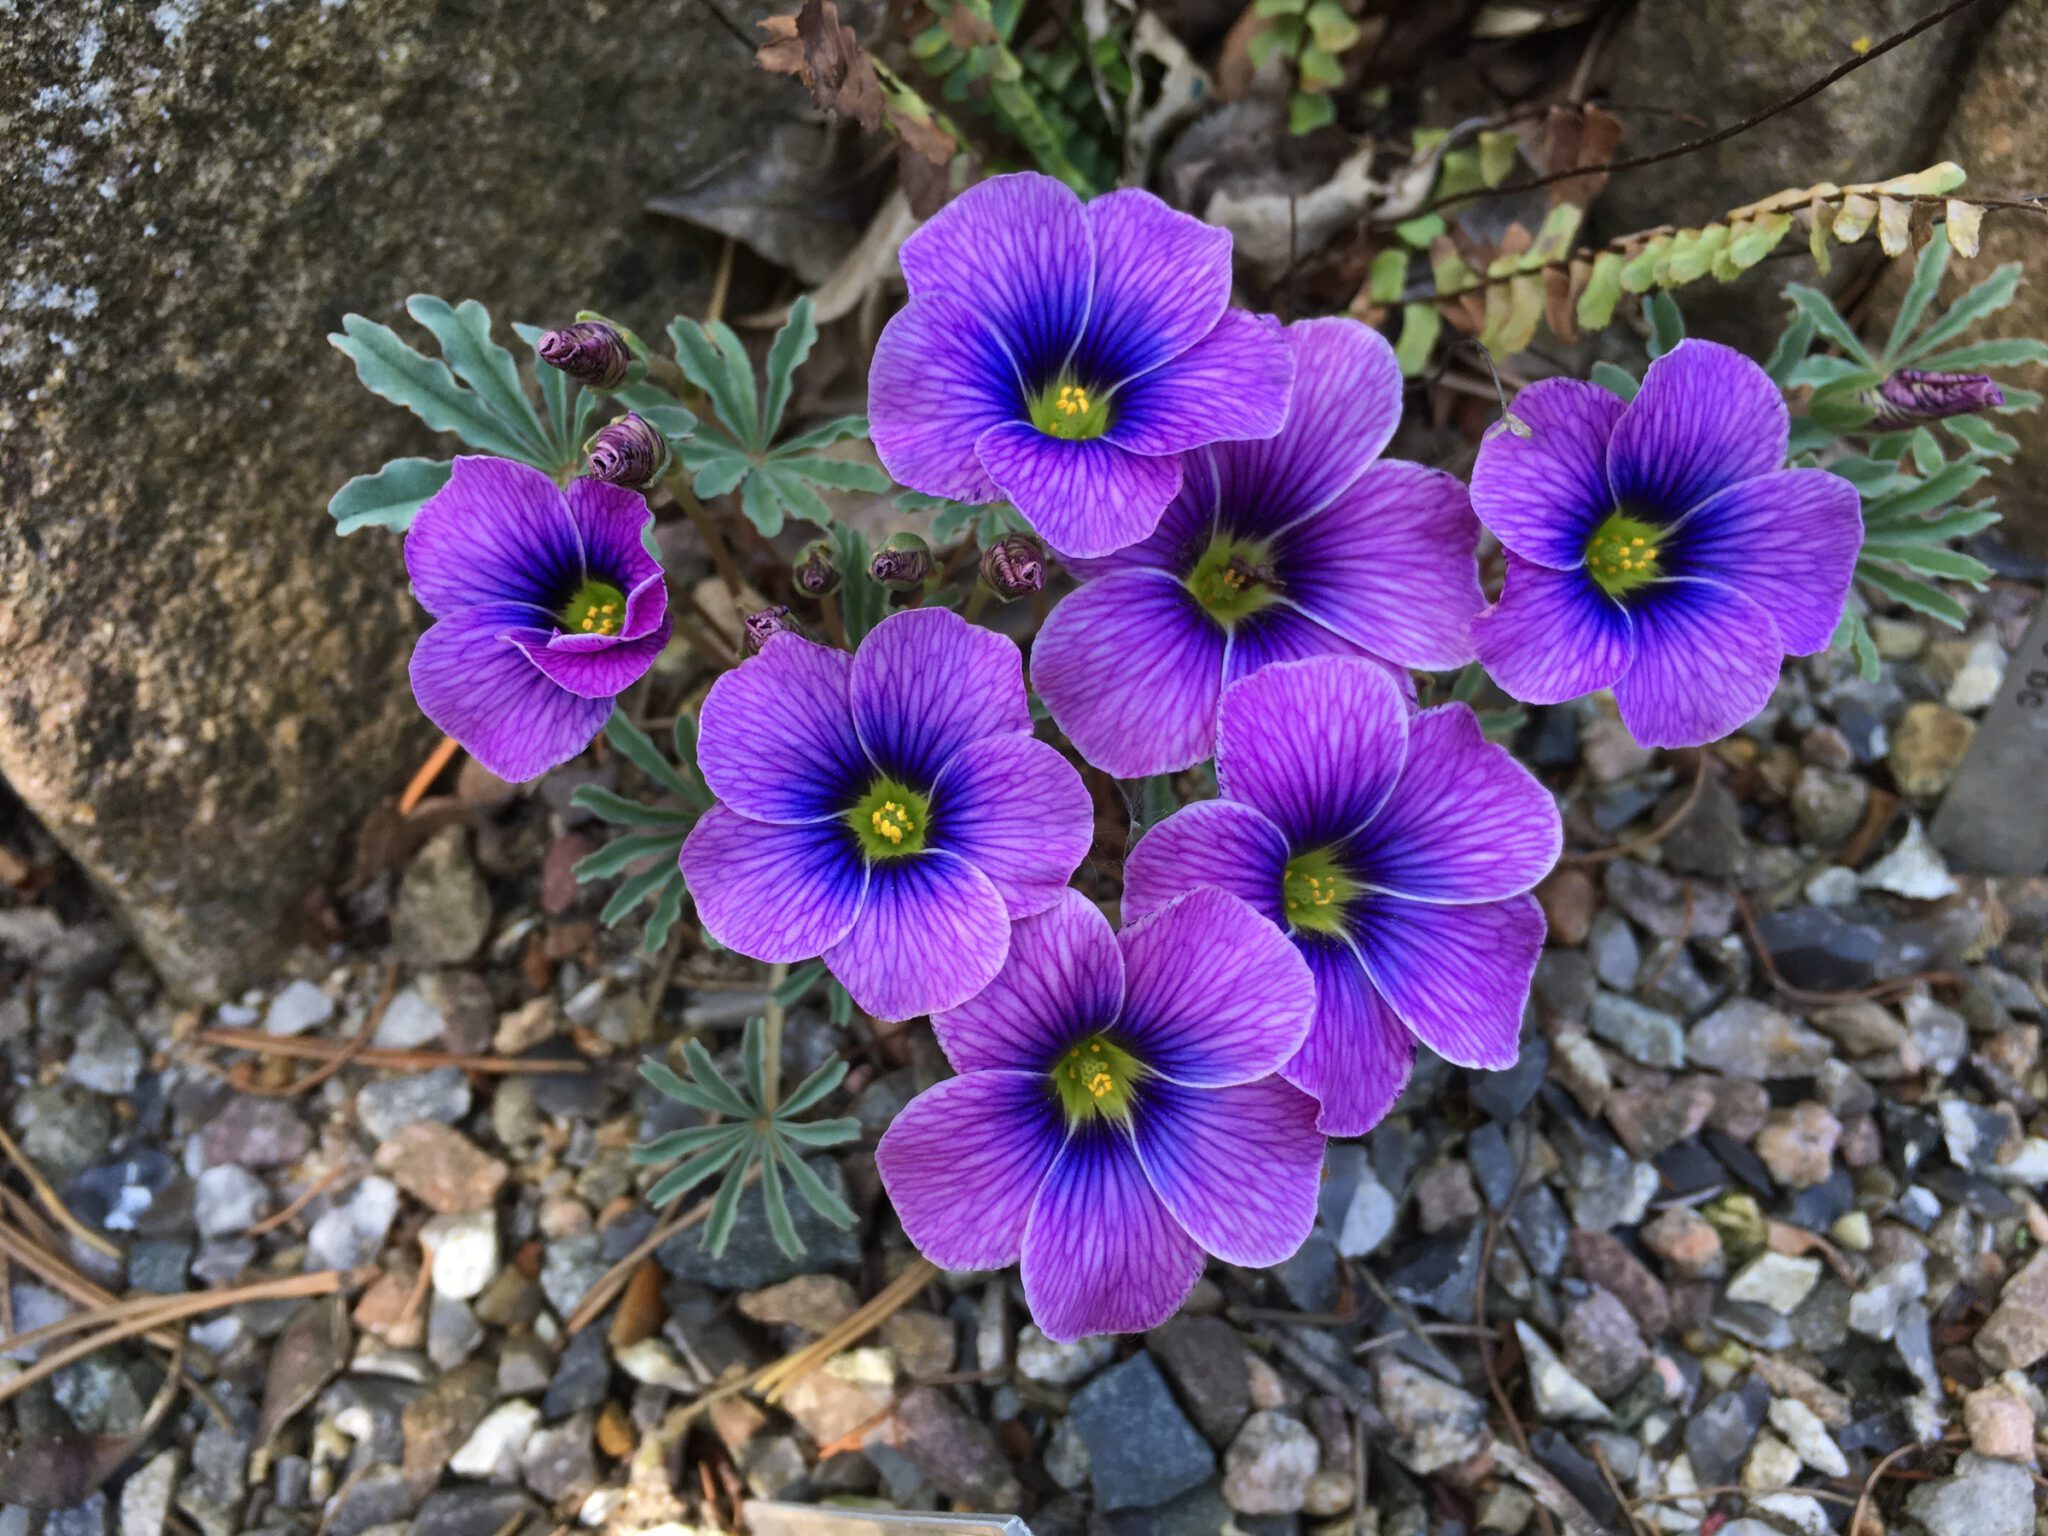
pixel 308 1354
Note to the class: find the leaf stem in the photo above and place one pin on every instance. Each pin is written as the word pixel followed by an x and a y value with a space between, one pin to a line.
pixel 707 530
pixel 773 1016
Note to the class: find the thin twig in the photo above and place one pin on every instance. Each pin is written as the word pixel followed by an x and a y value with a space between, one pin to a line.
pixel 602 1294
pixel 1877 1473
pixel 1614 1486
pixel 47 1198
pixel 307 1049
pixel 170 1309
pixel 1655 835
pixel 351 1049
pixel 885 1304
pixel 773 1017
pixel 721 284
pixel 1823 999
pixel 1719 136
pixel 417 786
pixel 306 1197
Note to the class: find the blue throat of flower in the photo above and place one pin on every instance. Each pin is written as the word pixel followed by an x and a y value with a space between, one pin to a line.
pixel 1233 580
pixel 1622 554
pixel 891 820
pixel 1071 410
pixel 1317 892
pixel 1096 1078
pixel 595 608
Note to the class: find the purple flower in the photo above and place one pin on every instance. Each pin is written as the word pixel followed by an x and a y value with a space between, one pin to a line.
pixel 547 606
pixel 1657 547
pixel 1915 395
pixel 888 810
pixel 1394 849
pixel 1062 356
pixel 590 352
pixel 1115 1118
pixel 1302 545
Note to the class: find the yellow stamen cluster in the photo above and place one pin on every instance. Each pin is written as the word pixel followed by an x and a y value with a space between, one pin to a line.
pixel 1622 554
pixel 891 820
pixel 1321 892
pixel 1620 561
pixel 604 619
pixel 1096 1078
pixel 1072 401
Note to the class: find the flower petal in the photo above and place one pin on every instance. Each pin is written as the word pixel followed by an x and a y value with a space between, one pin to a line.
pixel 1281 633
pixel 1063 980
pixel 773 893
pixel 775 738
pixel 925 683
pixel 1553 635
pixel 1235 380
pixel 1212 842
pixel 1788 540
pixel 1466 823
pixel 1391 564
pixel 1358 1055
pixel 1101 1252
pixel 1162 281
pixel 1345 406
pixel 1543 495
pixel 610 520
pixel 1239 1168
pixel 940 379
pixel 932 933
pixel 473 678
pixel 1316 745
pixel 1214 993
pixel 1019 250
pixel 1457 976
pixel 1183 534
pixel 1016 810
pixel 1084 498
pixel 1706 660
pixel 601 670
pixel 497 532
pixel 1706 418
pixel 1131 667
pixel 963 1163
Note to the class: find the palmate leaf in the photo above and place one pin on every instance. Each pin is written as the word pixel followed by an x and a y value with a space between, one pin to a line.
pixel 570 406
pixel 464 334
pixel 746 1137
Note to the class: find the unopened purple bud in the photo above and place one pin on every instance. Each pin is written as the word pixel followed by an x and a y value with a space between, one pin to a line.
pixel 815 571
pixel 1913 395
pixel 630 451
pixel 590 352
pixel 903 563
pixel 767 624
pixel 1013 567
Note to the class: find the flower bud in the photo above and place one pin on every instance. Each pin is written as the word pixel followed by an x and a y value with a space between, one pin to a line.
pixel 1914 395
pixel 590 352
pixel 766 625
pixel 630 451
pixel 1013 567
pixel 814 570
pixel 903 563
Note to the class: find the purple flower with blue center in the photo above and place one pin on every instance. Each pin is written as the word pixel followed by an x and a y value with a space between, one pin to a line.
pixel 1062 356
pixel 1659 547
pixel 1395 849
pixel 888 810
pixel 1304 544
pixel 547 606
pixel 1116 1117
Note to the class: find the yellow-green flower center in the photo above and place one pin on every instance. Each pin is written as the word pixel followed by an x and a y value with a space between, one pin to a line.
pixel 1622 554
pixel 598 608
pixel 1096 1077
pixel 1069 409
pixel 1316 891
pixel 1233 580
pixel 890 820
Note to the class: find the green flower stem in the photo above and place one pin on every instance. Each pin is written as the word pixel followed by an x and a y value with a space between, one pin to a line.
pixel 707 530
pixel 772 1017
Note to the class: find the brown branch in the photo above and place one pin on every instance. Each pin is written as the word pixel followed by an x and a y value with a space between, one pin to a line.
pixel 1655 835
pixel 602 1294
pixel 1721 135
pixel 351 1049
pixel 48 1199
pixel 1801 994
pixel 417 786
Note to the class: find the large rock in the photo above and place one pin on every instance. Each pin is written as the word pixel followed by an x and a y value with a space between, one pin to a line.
pixel 201 689
pixel 1995 134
